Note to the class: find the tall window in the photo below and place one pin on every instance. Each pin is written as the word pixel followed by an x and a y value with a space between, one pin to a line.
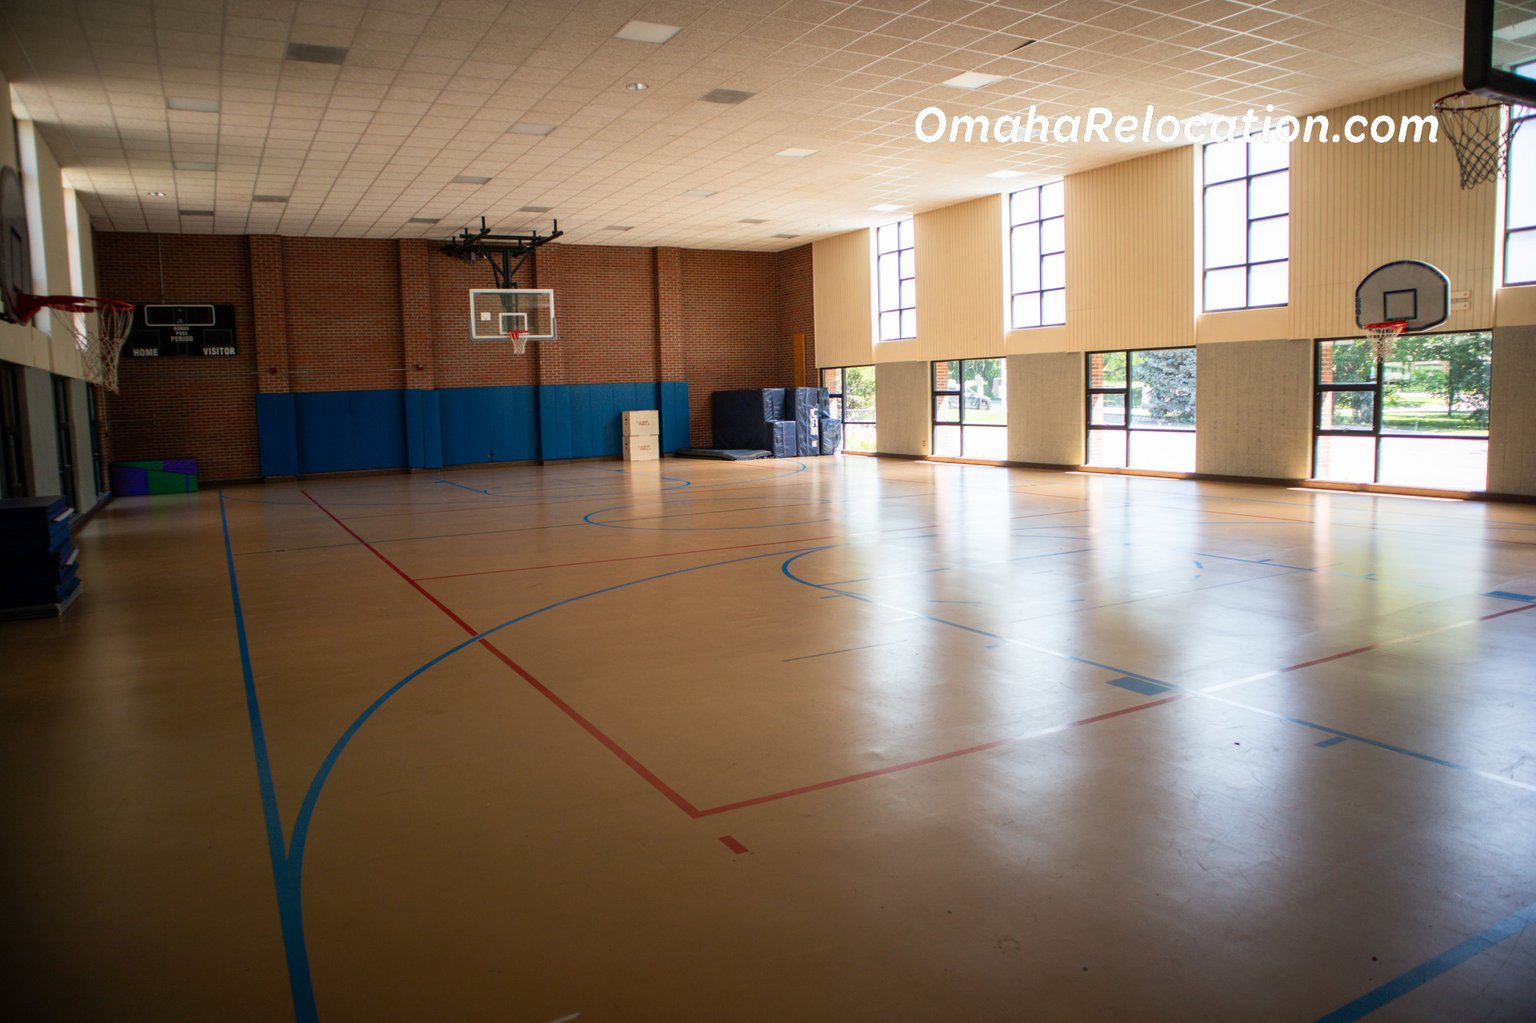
pixel 1247 224
pixel 970 409
pixel 896 280
pixel 852 390
pixel 1418 420
pixel 1141 409
pixel 1037 244
pixel 1520 194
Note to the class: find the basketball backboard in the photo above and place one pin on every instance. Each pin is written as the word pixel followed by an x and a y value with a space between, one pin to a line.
pixel 495 312
pixel 1416 293
pixel 1499 50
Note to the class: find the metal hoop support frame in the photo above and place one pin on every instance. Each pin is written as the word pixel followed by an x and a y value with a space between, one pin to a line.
pixel 1383 336
pixel 99 325
pixel 1479 134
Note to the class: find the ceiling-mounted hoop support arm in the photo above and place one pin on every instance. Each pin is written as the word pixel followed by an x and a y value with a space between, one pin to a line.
pixel 499 249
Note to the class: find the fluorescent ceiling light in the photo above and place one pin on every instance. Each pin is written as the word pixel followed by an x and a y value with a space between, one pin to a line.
pixel 647 32
pixel 794 152
pixel 619 227
pixel 315 54
pixel 529 128
pixel 884 207
pixel 534 209
pixel 196 213
pixel 471 179
pixel 637 86
pixel 1519 30
pixel 192 165
pixel 698 193
pixel 201 106
pixel 727 96
pixel 269 198
pixel 786 236
pixel 971 80
pixel 423 220
pixel 752 220
pixel 1006 174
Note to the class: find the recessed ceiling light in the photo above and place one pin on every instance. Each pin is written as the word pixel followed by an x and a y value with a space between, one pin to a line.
pixel 727 96
pixel 529 128
pixel 196 213
pixel 884 207
pixel 823 225
pixel 192 165
pixel 1006 174
pixel 201 106
pixel 619 227
pixel 752 220
pixel 316 54
pixel 796 152
pixel 534 209
pixel 157 195
pixel 471 179
pixel 423 220
pixel 647 32
pixel 971 80
pixel 637 86
pixel 698 193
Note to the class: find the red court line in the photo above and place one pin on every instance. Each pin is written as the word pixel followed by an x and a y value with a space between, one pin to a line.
pixel 609 561
pixel 733 845
pixel 939 757
pixel 1331 657
pixel 543 690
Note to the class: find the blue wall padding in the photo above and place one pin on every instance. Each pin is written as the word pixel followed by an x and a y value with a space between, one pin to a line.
pixel 337 431
pixel 423 430
pixel 277 434
pixel 342 430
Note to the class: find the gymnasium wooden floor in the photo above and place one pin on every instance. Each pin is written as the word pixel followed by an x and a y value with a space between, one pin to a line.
pixel 841 739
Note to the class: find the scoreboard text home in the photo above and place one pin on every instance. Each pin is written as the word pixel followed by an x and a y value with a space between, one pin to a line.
pixel 164 330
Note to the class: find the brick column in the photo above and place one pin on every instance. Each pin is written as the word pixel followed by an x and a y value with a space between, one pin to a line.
pixel 671 360
pixel 269 310
pixel 416 316
pixel 548 356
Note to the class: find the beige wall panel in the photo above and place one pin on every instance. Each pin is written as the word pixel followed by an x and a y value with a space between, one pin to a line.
pixel 1512 422
pixel 1045 415
pixel 903 421
pixel 1253 404
pixel 1037 339
pixel 1243 325
pixel 1355 207
pixel 7 128
pixel 895 351
pixel 1515 307
pixel 841 280
pixel 960 280
pixel 1131 253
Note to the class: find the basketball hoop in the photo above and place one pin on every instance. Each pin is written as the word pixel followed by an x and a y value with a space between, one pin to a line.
pixel 519 339
pixel 1383 336
pixel 99 325
pixel 1479 133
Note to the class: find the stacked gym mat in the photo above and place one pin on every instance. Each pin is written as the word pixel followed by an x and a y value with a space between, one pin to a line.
pixel 788 422
pixel 37 558
pixel 160 476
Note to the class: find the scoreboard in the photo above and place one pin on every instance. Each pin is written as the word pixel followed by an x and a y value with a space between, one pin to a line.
pixel 160 331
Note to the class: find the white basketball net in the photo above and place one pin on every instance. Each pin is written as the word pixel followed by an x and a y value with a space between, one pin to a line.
pixel 519 339
pixel 1383 337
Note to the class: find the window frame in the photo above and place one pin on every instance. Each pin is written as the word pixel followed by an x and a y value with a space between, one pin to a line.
pixel 1377 389
pixel 839 395
pixel 882 309
pixel 1126 427
pixel 958 393
pixel 1039 223
pixel 1248 263
pixel 1518 121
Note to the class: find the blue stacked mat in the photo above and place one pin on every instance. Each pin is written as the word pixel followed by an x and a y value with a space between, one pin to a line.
pixel 38 560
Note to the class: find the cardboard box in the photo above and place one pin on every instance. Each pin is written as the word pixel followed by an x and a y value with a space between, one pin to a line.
pixel 641 449
pixel 641 423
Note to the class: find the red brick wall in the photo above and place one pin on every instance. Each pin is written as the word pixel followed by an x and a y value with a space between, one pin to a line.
pixel 363 314
pixel 203 408
pixel 730 329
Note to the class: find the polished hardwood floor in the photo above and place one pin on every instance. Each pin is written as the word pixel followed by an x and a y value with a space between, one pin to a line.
pixel 834 739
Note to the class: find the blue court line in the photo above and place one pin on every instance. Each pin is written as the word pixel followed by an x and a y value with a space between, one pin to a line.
pixel 472 490
pixel 288 868
pixel 284 877
pixel 1431 968
pixel 1137 676
pixel 1330 742
pixel 1506 595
